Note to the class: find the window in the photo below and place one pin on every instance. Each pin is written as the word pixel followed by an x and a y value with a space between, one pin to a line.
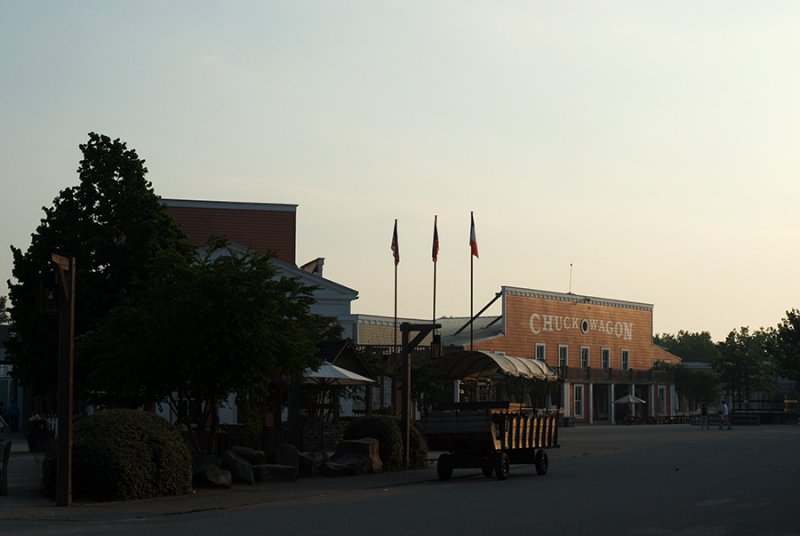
pixel 606 358
pixel 626 364
pixel 584 357
pixel 579 401
pixel 540 355
pixel 662 400
pixel 563 360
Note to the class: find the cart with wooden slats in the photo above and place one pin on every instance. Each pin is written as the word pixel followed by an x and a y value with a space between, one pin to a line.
pixel 489 436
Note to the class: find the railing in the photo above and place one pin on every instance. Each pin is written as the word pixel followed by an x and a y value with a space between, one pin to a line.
pixel 764 406
pixel 616 375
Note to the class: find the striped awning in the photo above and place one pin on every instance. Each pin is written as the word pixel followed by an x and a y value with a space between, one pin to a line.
pixel 484 365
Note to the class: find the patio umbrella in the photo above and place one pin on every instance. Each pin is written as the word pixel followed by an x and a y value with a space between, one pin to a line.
pixel 630 399
pixel 329 375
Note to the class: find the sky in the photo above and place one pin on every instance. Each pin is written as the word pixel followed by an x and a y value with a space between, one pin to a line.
pixel 631 150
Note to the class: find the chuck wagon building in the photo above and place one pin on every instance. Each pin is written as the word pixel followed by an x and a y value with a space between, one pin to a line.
pixel 602 349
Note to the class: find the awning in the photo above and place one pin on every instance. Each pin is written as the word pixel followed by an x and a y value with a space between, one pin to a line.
pixel 483 365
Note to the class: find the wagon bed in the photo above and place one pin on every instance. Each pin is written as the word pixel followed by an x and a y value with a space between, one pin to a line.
pixel 489 436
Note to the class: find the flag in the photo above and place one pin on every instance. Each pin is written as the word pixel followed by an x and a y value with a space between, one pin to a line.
pixel 395 245
pixel 435 250
pixel 473 242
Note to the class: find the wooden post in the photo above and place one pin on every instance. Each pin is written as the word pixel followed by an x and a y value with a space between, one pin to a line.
pixel 66 361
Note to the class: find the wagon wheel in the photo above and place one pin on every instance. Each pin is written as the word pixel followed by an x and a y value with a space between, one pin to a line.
pixel 444 467
pixel 501 465
pixel 487 466
pixel 541 462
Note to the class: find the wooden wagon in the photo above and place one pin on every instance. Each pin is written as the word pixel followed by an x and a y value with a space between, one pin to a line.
pixel 494 434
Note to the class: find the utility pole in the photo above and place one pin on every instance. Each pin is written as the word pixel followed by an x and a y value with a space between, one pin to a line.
pixel 66 362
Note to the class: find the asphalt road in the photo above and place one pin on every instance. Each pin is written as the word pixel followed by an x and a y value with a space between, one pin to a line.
pixel 644 480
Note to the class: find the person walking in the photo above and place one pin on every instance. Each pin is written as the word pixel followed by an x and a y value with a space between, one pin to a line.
pixel 723 415
pixel 703 416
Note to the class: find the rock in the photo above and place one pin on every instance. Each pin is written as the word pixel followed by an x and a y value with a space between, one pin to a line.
pixel 253 456
pixel 354 464
pixel 240 468
pixel 287 454
pixel 211 475
pixel 366 447
pixel 334 469
pixel 273 472
pixel 311 462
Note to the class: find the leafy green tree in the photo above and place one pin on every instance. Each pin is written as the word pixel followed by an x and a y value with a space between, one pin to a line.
pixel 689 346
pixel 696 386
pixel 784 346
pixel 693 385
pixel 744 365
pixel 201 331
pixel 3 310
pixel 114 225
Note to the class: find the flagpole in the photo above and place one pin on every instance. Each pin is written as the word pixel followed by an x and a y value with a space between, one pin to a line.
pixel 435 259
pixel 396 248
pixel 471 262
pixel 396 255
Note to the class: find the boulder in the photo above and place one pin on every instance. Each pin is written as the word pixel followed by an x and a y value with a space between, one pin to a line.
pixel 240 468
pixel 287 454
pixel 253 456
pixel 312 462
pixel 366 447
pixel 273 472
pixel 354 464
pixel 334 469
pixel 211 475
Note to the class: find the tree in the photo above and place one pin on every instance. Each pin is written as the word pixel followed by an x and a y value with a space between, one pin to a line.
pixel 784 346
pixel 114 225
pixel 689 346
pixel 3 311
pixel 743 365
pixel 695 385
pixel 202 331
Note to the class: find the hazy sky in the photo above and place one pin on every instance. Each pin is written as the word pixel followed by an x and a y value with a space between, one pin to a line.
pixel 653 145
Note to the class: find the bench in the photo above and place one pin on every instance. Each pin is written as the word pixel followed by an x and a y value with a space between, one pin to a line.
pixel 5 454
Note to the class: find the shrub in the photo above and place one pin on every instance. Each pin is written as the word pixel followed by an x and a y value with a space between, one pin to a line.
pixel 386 429
pixel 418 447
pixel 123 455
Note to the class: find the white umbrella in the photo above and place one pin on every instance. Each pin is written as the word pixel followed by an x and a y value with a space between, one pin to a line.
pixel 630 399
pixel 329 375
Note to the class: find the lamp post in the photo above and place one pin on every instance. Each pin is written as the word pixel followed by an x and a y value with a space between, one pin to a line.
pixel 66 338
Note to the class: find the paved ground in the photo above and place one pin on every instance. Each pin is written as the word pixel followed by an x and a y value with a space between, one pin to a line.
pixel 26 501
pixel 652 480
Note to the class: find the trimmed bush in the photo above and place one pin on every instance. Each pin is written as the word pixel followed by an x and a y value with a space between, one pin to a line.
pixel 418 457
pixel 386 429
pixel 123 455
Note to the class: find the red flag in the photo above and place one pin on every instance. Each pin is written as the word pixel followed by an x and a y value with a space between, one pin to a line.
pixel 435 251
pixel 395 245
pixel 473 242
